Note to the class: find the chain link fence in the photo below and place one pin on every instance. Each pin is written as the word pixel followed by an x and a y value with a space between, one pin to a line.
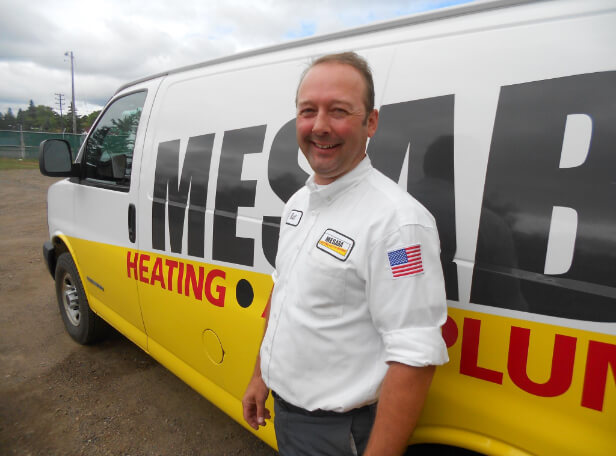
pixel 25 144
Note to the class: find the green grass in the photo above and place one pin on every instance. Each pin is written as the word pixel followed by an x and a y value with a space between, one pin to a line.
pixel 14 163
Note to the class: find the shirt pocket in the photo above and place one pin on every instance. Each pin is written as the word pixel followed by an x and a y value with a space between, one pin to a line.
pixel 323 287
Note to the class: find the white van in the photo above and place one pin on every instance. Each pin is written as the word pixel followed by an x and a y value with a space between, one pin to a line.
pixel 499 116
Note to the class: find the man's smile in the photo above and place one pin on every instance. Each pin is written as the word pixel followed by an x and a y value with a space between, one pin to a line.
pixel 324 146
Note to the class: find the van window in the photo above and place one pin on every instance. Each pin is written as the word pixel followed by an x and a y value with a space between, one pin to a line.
pixel 109 149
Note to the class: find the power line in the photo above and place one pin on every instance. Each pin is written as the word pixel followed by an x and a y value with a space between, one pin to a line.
pixel 59 101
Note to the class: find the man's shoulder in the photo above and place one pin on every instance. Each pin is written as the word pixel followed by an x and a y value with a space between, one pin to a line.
pixel 395 202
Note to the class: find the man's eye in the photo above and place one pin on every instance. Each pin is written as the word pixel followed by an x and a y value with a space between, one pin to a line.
pixel 339 112
pixel 306 112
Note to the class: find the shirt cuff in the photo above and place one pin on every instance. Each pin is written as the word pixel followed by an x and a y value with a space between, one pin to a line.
pixel 416 347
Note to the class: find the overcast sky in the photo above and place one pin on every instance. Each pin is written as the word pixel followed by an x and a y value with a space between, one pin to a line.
pixel 117 41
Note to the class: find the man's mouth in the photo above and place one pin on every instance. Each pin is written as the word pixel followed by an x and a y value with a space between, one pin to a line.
pixel 324 146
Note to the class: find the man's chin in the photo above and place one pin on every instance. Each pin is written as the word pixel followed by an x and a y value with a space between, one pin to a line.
pixel 323 167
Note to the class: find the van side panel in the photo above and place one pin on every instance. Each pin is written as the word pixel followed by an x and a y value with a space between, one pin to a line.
pixel 441 120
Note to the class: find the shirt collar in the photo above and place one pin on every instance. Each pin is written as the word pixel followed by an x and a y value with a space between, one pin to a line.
pixel 328 193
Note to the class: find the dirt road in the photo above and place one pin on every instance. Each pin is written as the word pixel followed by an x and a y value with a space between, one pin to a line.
pixel 61 398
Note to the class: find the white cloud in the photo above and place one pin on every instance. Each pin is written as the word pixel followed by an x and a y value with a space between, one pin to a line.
pixel 116 41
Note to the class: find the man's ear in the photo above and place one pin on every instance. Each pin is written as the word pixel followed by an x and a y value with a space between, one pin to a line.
pixel 372 122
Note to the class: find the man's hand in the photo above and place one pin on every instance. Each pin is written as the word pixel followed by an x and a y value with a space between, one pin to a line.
pixel 257 391
pixel 253 402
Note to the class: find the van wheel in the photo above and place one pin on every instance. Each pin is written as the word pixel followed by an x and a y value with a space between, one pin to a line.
pixel 83 325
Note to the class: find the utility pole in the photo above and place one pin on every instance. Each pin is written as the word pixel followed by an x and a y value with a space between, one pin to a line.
pixel 59 100
pixel 67 53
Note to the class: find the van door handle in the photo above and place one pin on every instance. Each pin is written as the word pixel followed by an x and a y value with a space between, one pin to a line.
pixel 132 222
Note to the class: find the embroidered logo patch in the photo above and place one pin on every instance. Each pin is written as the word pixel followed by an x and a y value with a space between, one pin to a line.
pixel 406 262
pixel 294 217
pixel 336 244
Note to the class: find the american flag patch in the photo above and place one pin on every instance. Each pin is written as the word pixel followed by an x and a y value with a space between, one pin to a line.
pixel 406 262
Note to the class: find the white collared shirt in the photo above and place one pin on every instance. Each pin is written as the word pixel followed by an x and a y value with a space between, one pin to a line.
pixel 358 283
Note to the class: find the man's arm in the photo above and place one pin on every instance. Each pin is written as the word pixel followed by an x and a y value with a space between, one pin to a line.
pixel 402 398
pixel 256 393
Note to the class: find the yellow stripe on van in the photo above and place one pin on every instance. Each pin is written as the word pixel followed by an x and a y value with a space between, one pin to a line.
pixel 504 373
pixel 186 307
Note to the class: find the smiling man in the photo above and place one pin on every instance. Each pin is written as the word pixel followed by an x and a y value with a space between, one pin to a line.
pixel 358 298
pixel 333 121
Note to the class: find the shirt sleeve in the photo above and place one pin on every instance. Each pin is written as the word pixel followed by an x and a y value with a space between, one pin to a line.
pixel 406 296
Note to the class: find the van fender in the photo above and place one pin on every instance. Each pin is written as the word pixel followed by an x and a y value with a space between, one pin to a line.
pixel 459 438
pixel 59 244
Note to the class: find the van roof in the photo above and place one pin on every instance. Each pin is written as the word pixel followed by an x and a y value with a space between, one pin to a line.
pixel 428 16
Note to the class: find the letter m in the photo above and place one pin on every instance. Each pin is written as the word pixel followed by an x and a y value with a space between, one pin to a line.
pixel 173 192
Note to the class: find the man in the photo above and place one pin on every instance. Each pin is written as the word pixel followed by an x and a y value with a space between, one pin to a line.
pixel 358 297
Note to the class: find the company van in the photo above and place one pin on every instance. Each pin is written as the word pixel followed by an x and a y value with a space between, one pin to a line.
pixel 499 116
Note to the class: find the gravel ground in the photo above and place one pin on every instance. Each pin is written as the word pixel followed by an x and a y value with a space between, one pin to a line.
pixel 61 398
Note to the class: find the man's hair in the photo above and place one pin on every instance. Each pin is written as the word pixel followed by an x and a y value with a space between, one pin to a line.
pixel 351 59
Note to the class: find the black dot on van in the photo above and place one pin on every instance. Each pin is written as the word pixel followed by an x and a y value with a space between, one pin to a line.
pixel 244 293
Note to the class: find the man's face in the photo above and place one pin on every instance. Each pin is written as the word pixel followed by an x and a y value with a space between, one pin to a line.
pixel 332 128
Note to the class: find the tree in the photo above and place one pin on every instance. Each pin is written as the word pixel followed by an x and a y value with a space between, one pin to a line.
pixel 30 122
pixel 44 118
pixel 47 119
pixel 85 122
pixel 20 119
pixel 9 120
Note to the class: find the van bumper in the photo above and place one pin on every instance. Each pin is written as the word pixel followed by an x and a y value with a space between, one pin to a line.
pixel 49 253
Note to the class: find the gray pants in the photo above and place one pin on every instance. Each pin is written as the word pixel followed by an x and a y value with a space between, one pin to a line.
pixel 302 434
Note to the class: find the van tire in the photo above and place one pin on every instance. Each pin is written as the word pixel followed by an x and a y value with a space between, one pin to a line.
pixel 82 324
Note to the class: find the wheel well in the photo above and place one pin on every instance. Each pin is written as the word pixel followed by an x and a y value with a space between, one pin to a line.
pixel 59 247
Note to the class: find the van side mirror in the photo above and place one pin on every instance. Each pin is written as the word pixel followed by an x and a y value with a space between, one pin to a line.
pixel 55 159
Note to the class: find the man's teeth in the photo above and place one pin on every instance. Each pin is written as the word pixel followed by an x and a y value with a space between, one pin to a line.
pixel 325 146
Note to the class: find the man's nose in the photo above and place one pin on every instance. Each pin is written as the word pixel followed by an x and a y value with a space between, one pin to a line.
pixel 321 123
